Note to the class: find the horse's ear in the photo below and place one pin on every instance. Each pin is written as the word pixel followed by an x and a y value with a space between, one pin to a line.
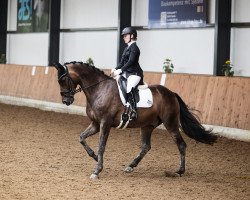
pixel 58 66
pixel 62 70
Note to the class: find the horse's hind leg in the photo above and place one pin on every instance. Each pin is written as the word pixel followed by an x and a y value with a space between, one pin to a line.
pixel 146 133
pixel 91 130
pixel 175 133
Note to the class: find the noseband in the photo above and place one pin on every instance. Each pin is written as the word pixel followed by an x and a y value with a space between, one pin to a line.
pixel 70 83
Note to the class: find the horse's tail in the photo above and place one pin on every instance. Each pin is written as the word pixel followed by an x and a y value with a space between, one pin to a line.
pixel 191 125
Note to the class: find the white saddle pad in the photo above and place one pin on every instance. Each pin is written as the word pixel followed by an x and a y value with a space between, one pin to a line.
pixel 146 97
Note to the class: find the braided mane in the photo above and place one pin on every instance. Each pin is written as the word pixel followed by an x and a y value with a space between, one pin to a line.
pixel 88 65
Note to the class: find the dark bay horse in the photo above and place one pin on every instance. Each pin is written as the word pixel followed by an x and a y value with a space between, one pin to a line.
pixel 104 108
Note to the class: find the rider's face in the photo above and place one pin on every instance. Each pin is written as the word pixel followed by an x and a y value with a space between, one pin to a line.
pixel 126 38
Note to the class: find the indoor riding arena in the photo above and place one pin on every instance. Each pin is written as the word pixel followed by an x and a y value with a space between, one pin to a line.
pixel 202 58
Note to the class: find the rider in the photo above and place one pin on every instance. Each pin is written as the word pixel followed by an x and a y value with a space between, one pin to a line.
pixel 130 68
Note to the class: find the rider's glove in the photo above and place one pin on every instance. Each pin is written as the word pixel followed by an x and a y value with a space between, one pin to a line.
pixel 117 72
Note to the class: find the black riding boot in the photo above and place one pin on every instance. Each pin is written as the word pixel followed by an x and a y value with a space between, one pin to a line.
pixel 125 115
pixel 132 101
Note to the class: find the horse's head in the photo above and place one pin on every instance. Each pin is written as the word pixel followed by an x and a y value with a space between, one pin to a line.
pixel 67 82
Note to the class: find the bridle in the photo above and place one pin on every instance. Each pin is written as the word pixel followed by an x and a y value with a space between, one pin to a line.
pixel 70 83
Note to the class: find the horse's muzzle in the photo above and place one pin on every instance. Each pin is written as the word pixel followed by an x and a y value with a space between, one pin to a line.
pixel 68 100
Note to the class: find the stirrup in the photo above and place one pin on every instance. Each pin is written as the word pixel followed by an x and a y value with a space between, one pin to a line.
pixel 125 117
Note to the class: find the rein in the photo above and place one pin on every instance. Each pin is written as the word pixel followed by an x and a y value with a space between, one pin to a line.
pixel 72 91
pixel 86 87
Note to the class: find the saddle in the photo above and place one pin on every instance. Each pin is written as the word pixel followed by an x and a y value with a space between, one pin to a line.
pixel 142 96
pixel 122 81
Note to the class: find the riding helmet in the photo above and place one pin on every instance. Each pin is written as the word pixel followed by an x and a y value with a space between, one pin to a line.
pixel 129 30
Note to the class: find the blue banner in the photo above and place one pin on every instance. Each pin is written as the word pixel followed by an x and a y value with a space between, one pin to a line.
pixel 32 15
pixel 177 13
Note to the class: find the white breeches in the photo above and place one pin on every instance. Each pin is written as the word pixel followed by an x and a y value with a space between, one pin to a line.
pixel 132 81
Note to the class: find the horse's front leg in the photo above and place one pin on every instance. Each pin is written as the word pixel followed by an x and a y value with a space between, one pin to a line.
pixel 104 133
pixel 91 130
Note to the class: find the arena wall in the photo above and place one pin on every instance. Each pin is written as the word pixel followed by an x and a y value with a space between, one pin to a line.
pixel 222 101
pixel 84 35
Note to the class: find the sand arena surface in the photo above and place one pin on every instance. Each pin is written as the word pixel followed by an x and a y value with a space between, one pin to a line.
pixel 41 158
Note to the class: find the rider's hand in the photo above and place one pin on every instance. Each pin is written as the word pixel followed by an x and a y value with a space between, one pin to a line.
pixel 117 72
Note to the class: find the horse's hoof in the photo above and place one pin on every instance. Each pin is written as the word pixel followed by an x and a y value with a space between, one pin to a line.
pixel 172 174
pixel 94 177
pixel 180 172
pixel 129 169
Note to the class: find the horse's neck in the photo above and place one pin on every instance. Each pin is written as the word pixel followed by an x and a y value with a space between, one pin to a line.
pixel 93 87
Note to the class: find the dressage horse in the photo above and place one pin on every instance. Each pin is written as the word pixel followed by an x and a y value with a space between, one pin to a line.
pixel 104 108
